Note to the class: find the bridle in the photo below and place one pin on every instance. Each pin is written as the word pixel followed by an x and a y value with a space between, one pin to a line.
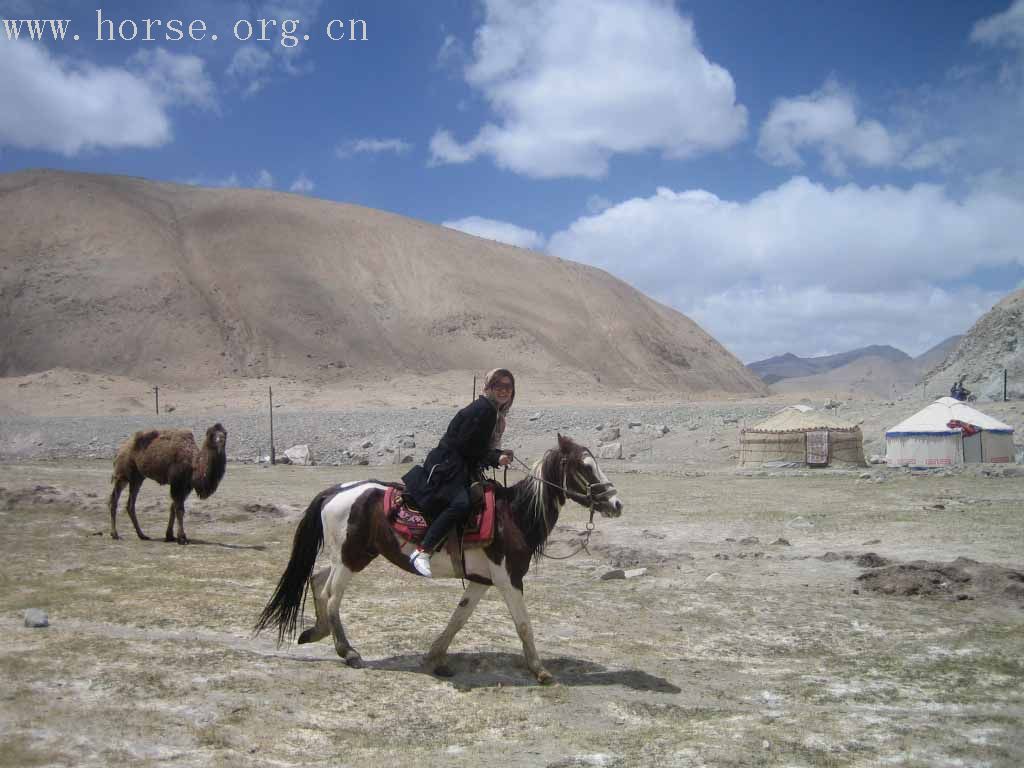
pixel 596 493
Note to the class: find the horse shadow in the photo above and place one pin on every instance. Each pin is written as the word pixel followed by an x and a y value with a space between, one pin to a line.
pixel 489 670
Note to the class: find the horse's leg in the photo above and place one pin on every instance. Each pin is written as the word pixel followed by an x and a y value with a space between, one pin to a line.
pixel 180 513
pixel 134 483
pixel 436 657
pixel 339 579
pixel 516 603
pixel 318 587
pixel 115 496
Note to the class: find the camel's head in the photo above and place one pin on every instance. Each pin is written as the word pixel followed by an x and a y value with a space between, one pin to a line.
pixel 217 438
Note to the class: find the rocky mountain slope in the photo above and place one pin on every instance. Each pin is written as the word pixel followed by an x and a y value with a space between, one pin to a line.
pixel 993 344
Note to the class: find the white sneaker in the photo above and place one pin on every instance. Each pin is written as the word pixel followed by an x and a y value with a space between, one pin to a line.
pixel 420 562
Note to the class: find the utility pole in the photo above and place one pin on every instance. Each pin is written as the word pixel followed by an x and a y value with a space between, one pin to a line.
pixel 1004 385
pixel 156 390
pixel 474 390
pixel 273 457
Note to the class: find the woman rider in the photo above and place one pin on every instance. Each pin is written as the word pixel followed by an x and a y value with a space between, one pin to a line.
pixel 473 438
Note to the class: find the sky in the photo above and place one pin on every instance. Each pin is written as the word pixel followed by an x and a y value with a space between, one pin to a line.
pixel 795 176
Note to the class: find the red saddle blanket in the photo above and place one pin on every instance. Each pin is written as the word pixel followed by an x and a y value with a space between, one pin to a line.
pixel 410 524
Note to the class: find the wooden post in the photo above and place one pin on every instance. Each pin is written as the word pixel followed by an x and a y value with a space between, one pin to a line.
pixel 273 457
pixel 1004 385
pixel 156 390
pixel 474 389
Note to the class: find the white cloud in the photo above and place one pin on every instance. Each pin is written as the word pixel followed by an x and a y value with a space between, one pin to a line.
pixel 575 84
pixel 826 121
pixel 933 154
pixel 759 323
pixel 452 53
pixel 372 146
pixel 265 180
pixel 502 231
pixel 303 185
pixel 60 105
pixel 1006 28
pixel 251 64
pixel 177 78
pixel 842 254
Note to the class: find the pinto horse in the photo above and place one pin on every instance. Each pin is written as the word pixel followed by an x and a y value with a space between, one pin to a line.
pixel 349 520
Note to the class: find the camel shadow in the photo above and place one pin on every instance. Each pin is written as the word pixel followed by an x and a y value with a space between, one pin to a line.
pixel 489 670
pixel 204 543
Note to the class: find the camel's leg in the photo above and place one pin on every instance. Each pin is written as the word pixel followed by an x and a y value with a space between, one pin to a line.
pixel 517 607
pixel 178 495
pixel 169 533
pixel 318 584
pixel 340 577
pixel 134 483
pixel 115 496
pixel 182 538
pixel 437 656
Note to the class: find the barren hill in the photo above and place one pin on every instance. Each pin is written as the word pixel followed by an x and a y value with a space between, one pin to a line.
pixel 166 282
pixel 994 343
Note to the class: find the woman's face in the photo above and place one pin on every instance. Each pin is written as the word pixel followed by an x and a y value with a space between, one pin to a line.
pixel 501 390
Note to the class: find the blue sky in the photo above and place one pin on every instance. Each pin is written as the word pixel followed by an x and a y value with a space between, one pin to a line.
pixel 799 176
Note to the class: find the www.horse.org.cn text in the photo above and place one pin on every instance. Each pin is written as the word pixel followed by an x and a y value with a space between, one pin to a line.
pixel 286 32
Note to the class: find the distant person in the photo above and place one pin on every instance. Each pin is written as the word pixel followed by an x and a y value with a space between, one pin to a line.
pixel 473 439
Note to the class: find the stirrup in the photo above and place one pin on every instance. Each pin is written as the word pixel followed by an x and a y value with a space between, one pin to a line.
pixel 420 562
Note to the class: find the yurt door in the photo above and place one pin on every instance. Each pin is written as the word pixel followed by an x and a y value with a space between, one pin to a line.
pixel 972 448
pixel 817 448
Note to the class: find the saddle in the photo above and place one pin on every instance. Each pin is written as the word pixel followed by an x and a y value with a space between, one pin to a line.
pixel 410 524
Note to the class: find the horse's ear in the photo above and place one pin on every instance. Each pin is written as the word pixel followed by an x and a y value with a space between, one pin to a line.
pixel 565 445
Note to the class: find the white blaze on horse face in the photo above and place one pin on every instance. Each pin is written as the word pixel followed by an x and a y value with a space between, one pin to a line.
pixel 614 502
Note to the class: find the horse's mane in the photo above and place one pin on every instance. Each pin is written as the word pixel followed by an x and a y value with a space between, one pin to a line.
pixel 535 505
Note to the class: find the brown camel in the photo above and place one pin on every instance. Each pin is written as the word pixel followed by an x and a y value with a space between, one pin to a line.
pixel 169 456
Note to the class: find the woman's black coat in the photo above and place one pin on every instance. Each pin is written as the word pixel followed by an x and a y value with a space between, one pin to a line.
pixel 457 459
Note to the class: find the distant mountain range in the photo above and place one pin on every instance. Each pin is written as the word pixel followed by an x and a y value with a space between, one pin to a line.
pixel 878 370
pixel 790 366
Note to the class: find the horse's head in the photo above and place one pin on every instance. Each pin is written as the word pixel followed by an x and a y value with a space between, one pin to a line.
pixel 584 480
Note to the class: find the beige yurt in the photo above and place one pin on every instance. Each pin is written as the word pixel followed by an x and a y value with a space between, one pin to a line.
pixel 801 436
pixel 946 433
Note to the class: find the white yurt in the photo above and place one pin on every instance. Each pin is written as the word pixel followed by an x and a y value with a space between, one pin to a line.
pixel 800 436
pixel 948 432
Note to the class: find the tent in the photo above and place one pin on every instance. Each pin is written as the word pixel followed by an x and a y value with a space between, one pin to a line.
pixel 800 436
pixel 945 433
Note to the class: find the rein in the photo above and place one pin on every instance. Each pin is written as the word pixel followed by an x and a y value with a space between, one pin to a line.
pixel 596 492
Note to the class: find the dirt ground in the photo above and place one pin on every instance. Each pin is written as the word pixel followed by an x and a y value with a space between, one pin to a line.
pixel 731 650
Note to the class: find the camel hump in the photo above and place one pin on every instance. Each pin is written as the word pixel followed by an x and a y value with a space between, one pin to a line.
pixel 143 439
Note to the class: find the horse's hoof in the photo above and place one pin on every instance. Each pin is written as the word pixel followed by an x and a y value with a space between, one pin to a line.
pixel 169 539
pixel 355 661
pixel 306 637
pixel 144 538
pixel 182 540
pixel 545 678
pixel 443 670
pixel 114 536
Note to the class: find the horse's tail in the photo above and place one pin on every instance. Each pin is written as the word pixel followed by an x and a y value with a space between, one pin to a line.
pixel 285 607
